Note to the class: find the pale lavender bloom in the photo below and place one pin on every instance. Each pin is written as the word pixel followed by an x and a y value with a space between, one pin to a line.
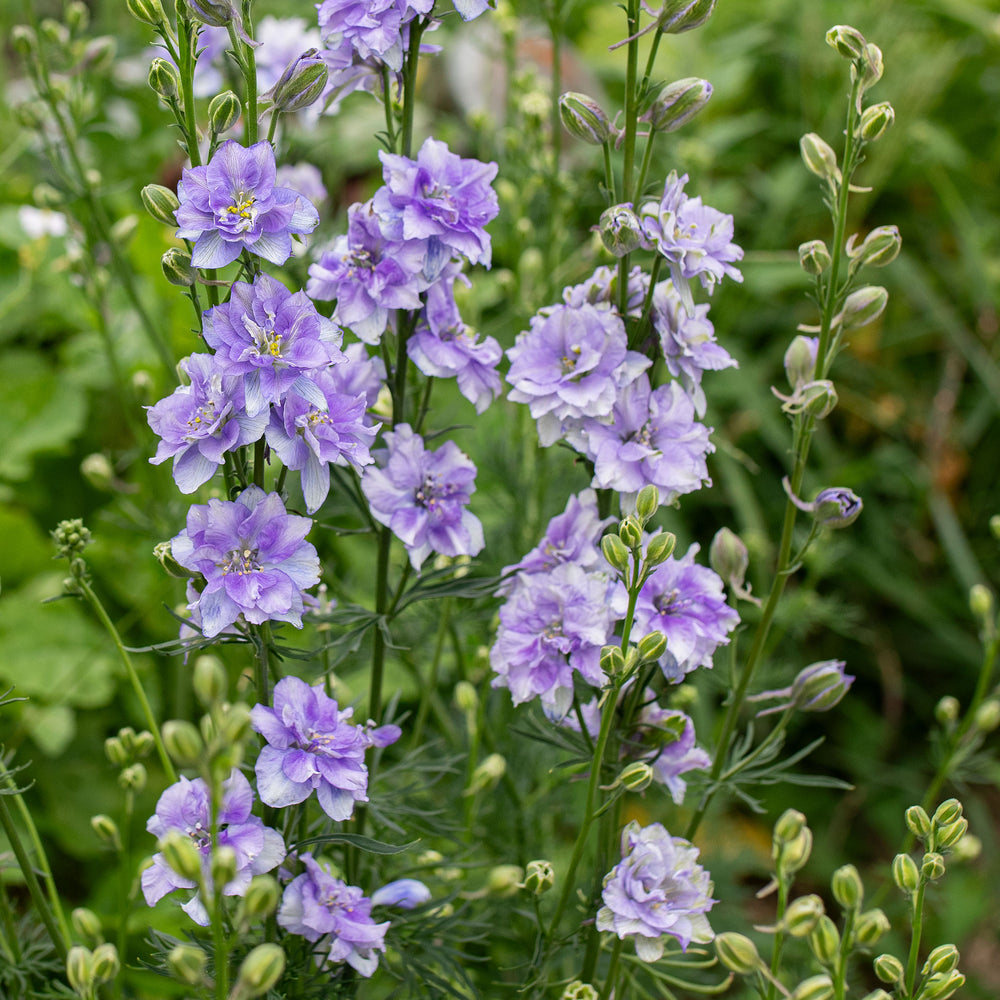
pixel 200 422
pixel 312 746
pixel 687 341
pixel 441 200
pixel 310 438
pixel 323 909
pixel 571 364
pixel 281 41
pixel 657 891
pixel 470 9
pixel 350 73
pixel 304 178
pixel 553 626
pixel 443 346
pixel 570 537
pixel 406 893
pixel 273 337
pixel 600 289
pixel 368 274
pixel 253 556
pixel 360 376
pixel 696 240
pixel 686 602
pixel 651 437
pixel 421 496
pixel 373 28
pixel 186 806
pixel 665 740
pixel 232 204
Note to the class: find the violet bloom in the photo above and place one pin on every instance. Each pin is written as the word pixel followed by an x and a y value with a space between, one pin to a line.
pixel 186 806
pixel 232 204
pixel 441 200
pixel 657 891
pixel 422 495
pixel 651 437
pixel 687 341
pixel 273 337
pixel 361 375
pixel 323 909
pixel 304 178
pixel 696 240
pixel 443 346
pixel 253 556
pixel 309 438
pixel 569 365
pixel 373 28
pixel 312 746
pixel 553 626
pixel 368 275
pixel 686 602
pixel 200 422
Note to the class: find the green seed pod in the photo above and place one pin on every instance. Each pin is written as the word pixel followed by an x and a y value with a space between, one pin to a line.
pixel 814 258
pixel 585 119
pixel 188 963
pixel 261 970
pixel 164 80
pixel 660 548
pixel 652 647
pixel 737 953
pixel 223 112
pixel 161 203
pixel 539 876
pixel 824 940
pixel 802 916
pixel 905 873
pixel 814 988
pixel 615 552
pixel 870 927
pixel 847 887
pixel 819 157
pixel 918 822
pixel 848 41
pixel 889 969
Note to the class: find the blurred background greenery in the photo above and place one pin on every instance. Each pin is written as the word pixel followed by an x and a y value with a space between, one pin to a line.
pixel 916 433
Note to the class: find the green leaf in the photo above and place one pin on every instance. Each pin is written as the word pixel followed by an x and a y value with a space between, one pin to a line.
pixel 366 844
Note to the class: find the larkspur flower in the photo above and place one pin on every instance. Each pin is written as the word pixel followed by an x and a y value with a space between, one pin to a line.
pixel 334 915
pixel 372 28
pixel 696 240
pixel 253 556
pixel 368 275
pixel 310 439
pixel 553 626
pixel 282 40
pixel 651 437
pixel 275 338
pixel 421 496
pixel 686 602
pixel 406 893
pixel 601 287
pixel 201 421
pixel 359 375
pixel 571 364
pixel 186 806
pixel 232 205
pixel 441 200
pixel 304 178
pixel 442 346
pixel 312 746
pixel 657 892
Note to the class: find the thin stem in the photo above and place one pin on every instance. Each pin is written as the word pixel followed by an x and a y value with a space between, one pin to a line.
pixel 647 158
pixel 124 884
pixel 258 462
pixel 390 117
pixel 261 667
pixel 417 26
pixel 612 974
pixel 378 643
pixel 8 940
pixel 187 40
pixel 779 940
pixel 840 972
pixel 250 75
pixel 609 174
pixel 918 923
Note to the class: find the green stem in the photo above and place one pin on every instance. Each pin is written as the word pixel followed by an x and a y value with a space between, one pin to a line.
pixel 918 922
pixel 250 75
pixel 261 666
pixel 417 27
pixel 840 972
pixel 187 40
pixel 124 884
pixel 609 174
pixel 218 925
pixel 647 158
pixel 779 940
pixel 151 723
pixel 258 462
pixel 8 939
pixel 390 117
pixel 429 684
pixel 378 643
pixel 612 974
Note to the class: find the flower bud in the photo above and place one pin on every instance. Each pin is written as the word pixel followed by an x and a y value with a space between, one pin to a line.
pixel 905 873
pixel 880 247
pixel 814 258
pixel 505 880
pixel 737 953
pixel 675 104
pixel 793 855
pixel 46 196
pixel 133 778
pixel 177 269
pixel 788 826
pixel 404 893
pixel 981 601
pixel 163 555
pixel 209 680
pixel 820 686
pixel 847 887
pixel 620 229
pixel 466 697
pixel 994 523
pixel 24 40
pixel 163 79
pixel 647 502
pixel 870 926
pixel 585 119
pixel 182 741
pixel 879 994
pixel 889 969
pixel 215 13
pixel 637 776
pixel 836 507
pixel 817 398
pixel 728 556
pixel 932 866
pixel 235 723
pixel 612 659
pixel 86 925
pixel 106 964
pixel 802 916
pixel 652 647
pixel 660 548
pixel 947 711
pixel 488 773
pixel 871 66
pixel 539 877
pixel 948 836
pixel 79 970
pixel 942 986
pixel 578 990
pixel 848 41
pixel 261 969
pixel 941 960
pixel 946 813
pixel 630 532
pixel 301 84
pixel 223 866
pixel 825 942
pixel 115 751
pixel 676 16
pixel 147 11
pixel 615 552
pixel 107 829
pixel 819 157
pixel 181 855
pixel 161 203
pixel 52 31
pixel 814 988
pixel 188 963
pixel 223 112
pixel 863 307
pixel 918 822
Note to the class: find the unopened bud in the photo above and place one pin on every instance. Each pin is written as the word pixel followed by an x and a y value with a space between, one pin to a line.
pixel 630 532
pixel 585 119
pixel 223 866
pixel 651 647
pixel 79 970
pixel 637 776
pixel 177 269
pixel 820 686
pixel 802 916
pixel 905 873
pixel 106 964
pixel 941 960
pixel 181 855
pixel 880 247
pixel 578 990
pixel 215 13
pixel 466 697
pixel 932 866
pixel 788 826
pixel 234 726
pixel 147 11
pixel 889 969
pixel 847 887
pixel 163 79
pixel 676 16
pixel 728 556
pixel 620 229
pixel 615 552
pixel 24 40
pixel 488 773
pixel 940 987
pixel 86 925
pixel 612 661
pixel 947 813
pixel 814 258
pixel 871 66
pixel 981 601
pixel 107 829
pixel 819 157
pixel 115 751
pixel 863 307
pixel 647 502
pixel 947 711
pixel 870 927
pixel 660 548
pixel 675 104
pixel 878 994
pixel 824 940
pixel 261 898
pixel 182 741
pixel 301 84
pixel 947 836
pixel 260 971
pixel 209 680
pixel 737 953
pixel 848 41
pixel 223 112
pixel 505 880
pixel 837 507
pixel 967 848
pixel 539 876
pixel 875 120
pixel 814 988
pixel 161 203
pixel 817 398
pixel 133 778
pixel 188 963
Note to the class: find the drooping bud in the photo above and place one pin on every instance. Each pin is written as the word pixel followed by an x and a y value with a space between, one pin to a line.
pixel 107 829
pixel 539 876
pixel 918 822
pixel 802 916
pixel 164 80
pixel 188 963
pixel 871 66
pixel 676 16
pixel 223 112
pixel 880 247
pixel 620 229
pixel 863 307
pixel 737 953
pixel 889 969
pixel 79 970
pixel 848 889
pixel 824 940
pixel 814 258
pixel 875 120
pixel 106 964
pixel 672 105
pixel 836 507
pixel 848 41
pixel 585 119
pixel 814 988
pixel 728 556
pixel 301 84
pixel 905 873
pixel 260 970
pixel 819 157
pixel 870 926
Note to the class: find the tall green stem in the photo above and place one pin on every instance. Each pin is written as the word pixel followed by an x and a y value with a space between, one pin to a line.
pixel 918 923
